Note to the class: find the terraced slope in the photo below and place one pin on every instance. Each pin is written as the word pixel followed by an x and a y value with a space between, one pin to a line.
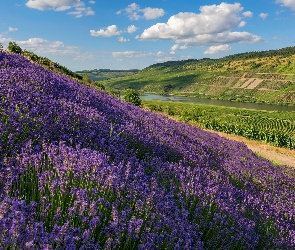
pixel 263 77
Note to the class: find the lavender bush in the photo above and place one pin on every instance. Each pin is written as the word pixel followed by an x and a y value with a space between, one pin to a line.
pixel 83 170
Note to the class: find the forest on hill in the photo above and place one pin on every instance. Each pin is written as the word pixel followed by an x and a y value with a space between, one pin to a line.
pixel 262 77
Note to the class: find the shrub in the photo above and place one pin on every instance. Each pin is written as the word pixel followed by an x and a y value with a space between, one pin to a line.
pixel 13 47
pixel 132 96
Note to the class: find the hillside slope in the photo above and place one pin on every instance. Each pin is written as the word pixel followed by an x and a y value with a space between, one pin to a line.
pixel 49 64
pixel 263 77
pixel 83 170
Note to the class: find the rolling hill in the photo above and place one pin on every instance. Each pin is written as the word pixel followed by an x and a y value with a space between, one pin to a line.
pixel 262 77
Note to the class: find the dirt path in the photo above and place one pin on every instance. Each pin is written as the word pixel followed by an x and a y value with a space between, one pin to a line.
pixel 281 156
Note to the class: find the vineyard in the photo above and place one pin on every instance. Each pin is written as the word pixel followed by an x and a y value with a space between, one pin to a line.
pixel 277 128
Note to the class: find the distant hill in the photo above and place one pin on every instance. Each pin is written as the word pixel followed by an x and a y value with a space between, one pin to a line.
pixel 263 77
pixel 104 74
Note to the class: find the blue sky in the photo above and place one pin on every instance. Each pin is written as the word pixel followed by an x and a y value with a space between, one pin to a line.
pixel 83 34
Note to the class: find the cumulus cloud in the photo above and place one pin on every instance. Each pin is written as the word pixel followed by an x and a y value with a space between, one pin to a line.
pixel 131 54
pixel 109 31
pixel 242 24
pixel 287 3
pixel 247 14
pixel 113 30
pixel 214 25
pixel 122 39
pixel 134 12
pixel 212 19
pixel 92 2
pixel 217 49
pixel 177 47
pixel 152 13
pixel 263 15
pixel 132 29
pixel 62 5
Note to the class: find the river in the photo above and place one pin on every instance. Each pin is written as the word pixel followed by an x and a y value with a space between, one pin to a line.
pixel 214 102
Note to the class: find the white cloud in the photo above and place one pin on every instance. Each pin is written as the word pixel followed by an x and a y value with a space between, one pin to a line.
pixel 122 39
pixel 178 47
pixel 220 38
pixel 217 49
pixel 10 29
pixel 263 15
pixel 287 3
pixel 62 5
pixel 247 14
pixel 82 11
pixel 214 25
pixel 132 29
pixel 242 24
pixel 40 45
pixel 57 5
pixel 152 13
pixel 4 41
pixel 134 12
pixel 160 53
pixel 45 48
pixel 109 31
pixel 131 54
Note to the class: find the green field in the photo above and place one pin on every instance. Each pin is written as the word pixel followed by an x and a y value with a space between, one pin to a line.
pixel 275 127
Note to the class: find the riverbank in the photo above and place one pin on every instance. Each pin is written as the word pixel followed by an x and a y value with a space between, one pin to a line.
pixel 220 103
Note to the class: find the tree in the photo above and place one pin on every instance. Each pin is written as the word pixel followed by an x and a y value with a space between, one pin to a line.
pixel 13 47
pixel 86 78
pixel 132 96
pixel 1 46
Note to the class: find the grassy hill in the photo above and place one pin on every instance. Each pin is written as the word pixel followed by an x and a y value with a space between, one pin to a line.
pixel 262 77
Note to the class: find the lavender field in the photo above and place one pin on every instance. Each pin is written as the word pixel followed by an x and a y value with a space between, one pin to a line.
pixel 83 170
